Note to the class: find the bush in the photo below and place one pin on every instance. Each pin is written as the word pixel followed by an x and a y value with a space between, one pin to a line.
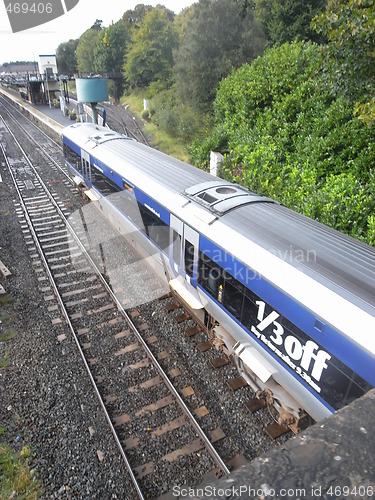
pixel 178 120
pixel 286 136
pixel 146 115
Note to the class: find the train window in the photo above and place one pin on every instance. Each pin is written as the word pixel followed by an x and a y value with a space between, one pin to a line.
pixel 249 310
pixel 155 228
pixel 159 234
pixel 210 275
pixel 176 246
pixel 102 183
pixel 112 187
pixel 127 205
pixel 98 179
pixel 233 295
pixel 189 258
pixel 340 385
pixel 73 158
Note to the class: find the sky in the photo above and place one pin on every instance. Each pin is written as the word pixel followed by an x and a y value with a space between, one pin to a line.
pixel 44 39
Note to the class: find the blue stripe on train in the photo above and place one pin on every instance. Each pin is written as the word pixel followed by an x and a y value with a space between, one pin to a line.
pixel 284 366
pixel 332 340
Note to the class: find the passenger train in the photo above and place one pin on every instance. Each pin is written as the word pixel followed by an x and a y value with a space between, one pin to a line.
pixel 290 300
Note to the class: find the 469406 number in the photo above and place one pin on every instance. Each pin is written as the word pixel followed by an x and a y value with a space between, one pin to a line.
pixel 25 8
pixel 350 491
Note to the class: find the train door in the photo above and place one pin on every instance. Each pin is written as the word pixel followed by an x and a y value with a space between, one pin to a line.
pixel 86 167
pixel 184 246
pixel 190 249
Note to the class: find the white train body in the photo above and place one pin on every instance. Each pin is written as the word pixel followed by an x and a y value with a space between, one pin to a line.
pixel 292 301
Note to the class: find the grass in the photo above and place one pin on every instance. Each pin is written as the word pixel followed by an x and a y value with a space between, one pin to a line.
pixel 161 140
pixel 16 478
pixel 7 335
pixel 4 362
pixel 5 299
pixel 6 319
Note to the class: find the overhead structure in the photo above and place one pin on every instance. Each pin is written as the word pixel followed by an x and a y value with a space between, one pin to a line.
pixel 92 91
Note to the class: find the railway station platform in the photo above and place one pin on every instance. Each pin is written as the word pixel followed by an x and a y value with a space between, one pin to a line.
pixel 52 118
pixel 54 113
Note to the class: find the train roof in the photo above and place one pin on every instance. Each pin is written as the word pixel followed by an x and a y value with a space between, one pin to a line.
pixel 339 262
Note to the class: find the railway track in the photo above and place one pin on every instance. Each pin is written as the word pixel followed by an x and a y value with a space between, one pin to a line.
pixel 130 129
pixel 119 119
pixel 80 297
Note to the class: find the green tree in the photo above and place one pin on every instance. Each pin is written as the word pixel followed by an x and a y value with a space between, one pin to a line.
pixel 110 48
pixel 86 50
pixel 109 54
pixel 350 53
pixel 133 18
pixel 150 57
pixel 219 36
pixel 66 57
pixel 182 20
pixel 289 20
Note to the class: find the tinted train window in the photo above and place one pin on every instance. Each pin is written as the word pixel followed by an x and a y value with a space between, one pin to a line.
pixel 176 247
pixel 250 310
pixel 127 204
pixel 73 158
pixel 210 275
pixel 233 295
pixel 102 183
pixel 155 228
pixel 189 258
pixel 98 179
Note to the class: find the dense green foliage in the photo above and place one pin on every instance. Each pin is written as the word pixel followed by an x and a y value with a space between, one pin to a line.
pixel 179 120
pixel 350 52
pixel 288 137
pixel 220 35
pixel 66 57
pixel 85 52
pixel 288 20
pixel 150 58
pixel 110 48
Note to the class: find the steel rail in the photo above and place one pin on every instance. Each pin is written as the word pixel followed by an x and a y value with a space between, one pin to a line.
pixel 214 455
pixel 36 142
pixel 28 119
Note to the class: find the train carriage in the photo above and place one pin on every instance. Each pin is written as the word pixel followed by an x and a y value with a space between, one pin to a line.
pixel 291 300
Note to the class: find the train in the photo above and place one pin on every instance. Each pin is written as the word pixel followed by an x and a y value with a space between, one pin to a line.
pixel 288 299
